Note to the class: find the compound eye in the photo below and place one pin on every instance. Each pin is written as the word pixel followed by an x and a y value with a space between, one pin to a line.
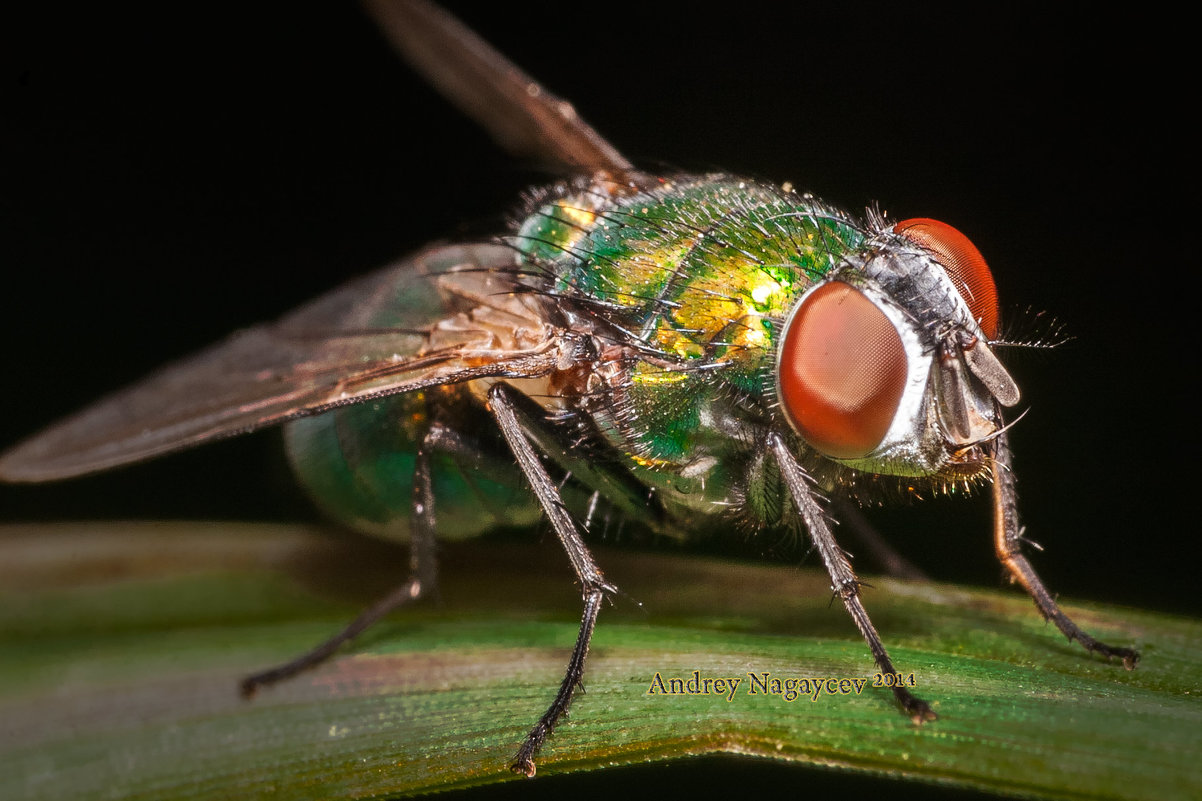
pixel 842 371
pixel 963 263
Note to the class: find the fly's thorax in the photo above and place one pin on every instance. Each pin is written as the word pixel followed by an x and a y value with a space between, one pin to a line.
pixel 885 365
pixel 677 261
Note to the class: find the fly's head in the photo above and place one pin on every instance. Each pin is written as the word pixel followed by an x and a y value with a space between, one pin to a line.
pixel 885 365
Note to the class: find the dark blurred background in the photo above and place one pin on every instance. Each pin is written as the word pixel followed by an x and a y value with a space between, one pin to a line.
pixel 167 177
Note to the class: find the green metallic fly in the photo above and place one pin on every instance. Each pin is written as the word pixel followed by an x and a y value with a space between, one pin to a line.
pixel 686 351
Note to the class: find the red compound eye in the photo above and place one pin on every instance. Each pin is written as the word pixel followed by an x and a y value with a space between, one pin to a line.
pixel 964 265
pixel 842 371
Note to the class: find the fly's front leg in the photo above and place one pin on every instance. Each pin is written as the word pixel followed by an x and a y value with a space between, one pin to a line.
pixel 423 567
pixel 843 579
pixel 1008 540
pixel 593 584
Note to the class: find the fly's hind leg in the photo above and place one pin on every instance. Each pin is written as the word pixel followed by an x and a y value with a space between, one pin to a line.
pixel 1008 540
pixel 593 584
pixel 423 567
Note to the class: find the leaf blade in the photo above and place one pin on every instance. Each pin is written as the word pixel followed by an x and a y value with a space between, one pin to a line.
pixel 119 667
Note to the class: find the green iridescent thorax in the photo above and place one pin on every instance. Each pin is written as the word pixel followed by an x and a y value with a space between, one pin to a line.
pixel 701 272
pixel 700 268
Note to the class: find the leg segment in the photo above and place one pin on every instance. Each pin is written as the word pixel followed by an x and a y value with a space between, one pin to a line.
pixel 593 584
pixel 843 579
pixel 423 568
pixel 1008 540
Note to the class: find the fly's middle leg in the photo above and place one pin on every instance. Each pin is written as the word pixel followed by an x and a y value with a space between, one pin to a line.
pixel 594 587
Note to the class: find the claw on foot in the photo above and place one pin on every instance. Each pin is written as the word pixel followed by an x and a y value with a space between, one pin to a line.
pixel 920 712
pixel 1129 656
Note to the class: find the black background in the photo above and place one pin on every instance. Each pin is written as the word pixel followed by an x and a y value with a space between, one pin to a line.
pixel 169 176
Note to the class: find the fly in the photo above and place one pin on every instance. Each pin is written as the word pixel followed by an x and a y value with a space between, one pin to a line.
pixel 689 351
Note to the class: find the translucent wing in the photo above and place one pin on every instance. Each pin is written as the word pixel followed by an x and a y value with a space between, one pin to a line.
pixel 422 322
pixel 520 114
pixel 449 314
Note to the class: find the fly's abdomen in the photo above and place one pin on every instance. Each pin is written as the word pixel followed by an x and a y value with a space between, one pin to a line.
pixel 358 462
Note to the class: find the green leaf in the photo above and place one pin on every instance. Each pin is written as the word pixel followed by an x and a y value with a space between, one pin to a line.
pixel 121 646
